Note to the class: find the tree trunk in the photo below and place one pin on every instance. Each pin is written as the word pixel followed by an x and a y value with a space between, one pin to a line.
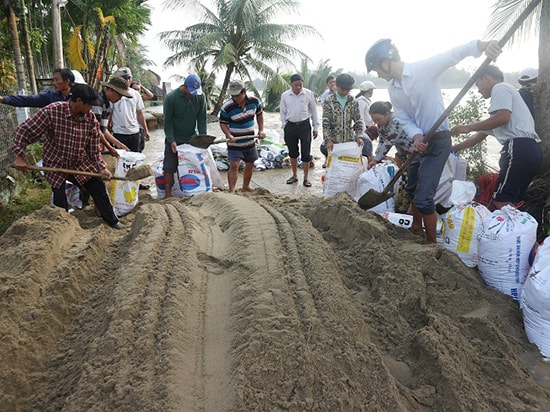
pixel 28 50
pixel 542 96
pixel 19 67
pixel 221 97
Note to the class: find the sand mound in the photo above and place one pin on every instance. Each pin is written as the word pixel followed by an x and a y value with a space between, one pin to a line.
pixel 250 302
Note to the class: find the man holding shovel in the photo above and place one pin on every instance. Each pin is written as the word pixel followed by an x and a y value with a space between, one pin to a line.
pixel 416 96
pixel 184 113
pixel 70 136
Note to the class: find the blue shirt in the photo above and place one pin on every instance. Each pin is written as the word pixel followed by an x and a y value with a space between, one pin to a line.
pixel 36 100
pixel 417 98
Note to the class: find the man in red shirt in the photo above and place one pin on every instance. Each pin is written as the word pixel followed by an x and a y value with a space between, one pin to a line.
pixel 71 140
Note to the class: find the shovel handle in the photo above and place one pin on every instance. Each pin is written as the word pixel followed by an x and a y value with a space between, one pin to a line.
pixel 236 138
pixel 71 172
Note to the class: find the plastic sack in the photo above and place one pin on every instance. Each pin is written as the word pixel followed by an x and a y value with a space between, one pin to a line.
pixel 158 172
pixel 193 171
pixel 505 242
pixel 535 301
pixel 377 178
pixel 344 165
pixel 124 194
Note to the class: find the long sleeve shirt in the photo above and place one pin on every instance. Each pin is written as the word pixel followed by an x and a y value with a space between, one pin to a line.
pixel 36 100
pixel 341 124
pixel 68 142
pixel 183 116
pixel 298 107
pixel 417 98
pixel 392 135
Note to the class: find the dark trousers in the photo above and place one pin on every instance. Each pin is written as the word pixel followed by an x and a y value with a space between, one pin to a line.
pixel 130 140
pixel 299 134
pixel 96 188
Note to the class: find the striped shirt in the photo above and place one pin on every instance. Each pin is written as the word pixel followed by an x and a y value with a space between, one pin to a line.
pixel 239 120
pixel 68 142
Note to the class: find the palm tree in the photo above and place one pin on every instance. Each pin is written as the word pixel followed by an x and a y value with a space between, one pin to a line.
pixel 238 37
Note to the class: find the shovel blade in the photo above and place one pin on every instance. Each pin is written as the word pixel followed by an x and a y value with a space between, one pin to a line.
pixel 373 198
pixel 202 141
pixel 139 172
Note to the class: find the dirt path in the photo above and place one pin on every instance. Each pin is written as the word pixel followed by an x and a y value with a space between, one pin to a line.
pixel 251 302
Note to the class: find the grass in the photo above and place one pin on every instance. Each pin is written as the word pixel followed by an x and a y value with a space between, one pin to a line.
pixel 31 199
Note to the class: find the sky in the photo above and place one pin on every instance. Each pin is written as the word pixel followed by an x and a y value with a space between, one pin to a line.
pixel 419 29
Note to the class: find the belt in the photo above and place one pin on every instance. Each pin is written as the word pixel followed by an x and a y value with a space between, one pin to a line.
pixel 297 123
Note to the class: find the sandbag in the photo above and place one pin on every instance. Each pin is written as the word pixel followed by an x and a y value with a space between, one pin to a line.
pixel 505 242
pixel 462 223
pixel 535 301
pixel 455 169
pixel 158 173
pixel 377 178
pixel 344 165
pixel 124 194
pixel 193 171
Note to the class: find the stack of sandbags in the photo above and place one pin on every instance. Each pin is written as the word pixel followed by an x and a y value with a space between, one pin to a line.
pixel 535 301
pixel 462 222
pixel 506 239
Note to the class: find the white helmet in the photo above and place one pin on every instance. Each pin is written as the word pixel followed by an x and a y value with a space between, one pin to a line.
pixel 366 85
pixel 527 75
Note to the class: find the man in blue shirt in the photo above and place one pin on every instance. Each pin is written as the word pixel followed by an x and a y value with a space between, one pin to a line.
pixel 417 100
pixel 237 121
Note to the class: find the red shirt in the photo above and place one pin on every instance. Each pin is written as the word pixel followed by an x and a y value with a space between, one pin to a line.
pixel 68 142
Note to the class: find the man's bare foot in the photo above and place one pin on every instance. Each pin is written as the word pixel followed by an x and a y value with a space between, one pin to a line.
pixel 246 189
pixel 418 231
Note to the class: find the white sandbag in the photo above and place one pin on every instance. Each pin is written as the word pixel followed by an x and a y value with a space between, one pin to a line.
pixel 535 301
pixel 454 170
pixel 505 242
pixel 194 173
pixel 377 178
pixel 158 172
pixel 399 219
pixel 124 193
pixel 463 223
pixel 217 180
pixel 344 165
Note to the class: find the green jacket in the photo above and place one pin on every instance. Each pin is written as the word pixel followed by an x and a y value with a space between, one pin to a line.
pixel 183 117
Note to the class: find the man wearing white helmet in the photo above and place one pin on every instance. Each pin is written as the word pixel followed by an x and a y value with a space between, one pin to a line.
pixel 528 81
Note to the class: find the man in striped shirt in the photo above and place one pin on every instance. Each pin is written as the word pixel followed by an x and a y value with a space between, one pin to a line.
pixel 70 137
pixel 237 121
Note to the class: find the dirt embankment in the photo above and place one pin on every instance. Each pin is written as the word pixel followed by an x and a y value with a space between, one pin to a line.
pixel 250 302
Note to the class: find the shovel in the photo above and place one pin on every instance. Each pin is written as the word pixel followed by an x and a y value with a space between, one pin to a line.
pixel 372 197
pixel 203 141
pixel 135 173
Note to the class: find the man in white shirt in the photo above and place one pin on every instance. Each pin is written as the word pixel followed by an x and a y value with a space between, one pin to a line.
pixel 127 116
pixel 298 110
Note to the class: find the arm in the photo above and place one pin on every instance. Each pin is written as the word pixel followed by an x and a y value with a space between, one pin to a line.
pixel 147 94
pixel 471 141
pixel 114 141
pixel 499 118
pixel 141 120
pixel 37 100
pixel 358 125
pixel 29 132
pixel 168 110
pixel 282 110
pixel 260 120
pixel 314 116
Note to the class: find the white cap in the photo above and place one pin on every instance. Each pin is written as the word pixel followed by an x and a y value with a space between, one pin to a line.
pixel 366 85
pixel 78 79
pixel 528 74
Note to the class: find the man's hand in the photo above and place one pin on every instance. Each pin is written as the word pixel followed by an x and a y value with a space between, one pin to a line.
pixel 315 134
pixel 329 145
pixel 20 163
pixel 261 134
pixel 371 164
pixel 105 174
pixel 418 144
pixel 174 147
pixel 460 129
pixel 491 48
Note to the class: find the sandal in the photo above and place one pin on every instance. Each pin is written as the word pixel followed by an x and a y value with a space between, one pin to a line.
pixel 307 183
pixel 291 180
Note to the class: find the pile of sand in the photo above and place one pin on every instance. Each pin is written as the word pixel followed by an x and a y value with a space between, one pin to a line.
pixel 251 302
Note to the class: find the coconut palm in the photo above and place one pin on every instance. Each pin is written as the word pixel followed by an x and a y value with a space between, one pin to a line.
pixel 238 36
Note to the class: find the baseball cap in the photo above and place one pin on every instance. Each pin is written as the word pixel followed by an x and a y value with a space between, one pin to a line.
pixel 193 84
pixel 119 85
pixel 123 72
pixel 528 74
pixel 78 77
pixel 366 85
pixel 235 87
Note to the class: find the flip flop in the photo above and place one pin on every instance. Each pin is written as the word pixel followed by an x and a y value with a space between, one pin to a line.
pixel 307 183
pixel 291 180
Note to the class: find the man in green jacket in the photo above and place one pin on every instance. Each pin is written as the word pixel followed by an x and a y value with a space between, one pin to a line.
pixel 184 113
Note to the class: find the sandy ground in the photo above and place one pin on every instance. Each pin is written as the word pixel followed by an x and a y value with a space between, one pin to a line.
pixel 252 302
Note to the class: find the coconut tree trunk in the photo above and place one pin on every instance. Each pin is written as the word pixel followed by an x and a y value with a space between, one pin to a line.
pixel 19 67
pixel 221 97
pixel 28 50
pixel 542 97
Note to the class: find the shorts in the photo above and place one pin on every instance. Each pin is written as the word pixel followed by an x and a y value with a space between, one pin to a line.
pixel 299 133
pixel 170 163
pixel 246 154
pixel 520 161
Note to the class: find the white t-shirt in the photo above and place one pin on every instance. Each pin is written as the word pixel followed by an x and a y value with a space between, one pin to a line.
pixel 521 124
pixel 124 117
